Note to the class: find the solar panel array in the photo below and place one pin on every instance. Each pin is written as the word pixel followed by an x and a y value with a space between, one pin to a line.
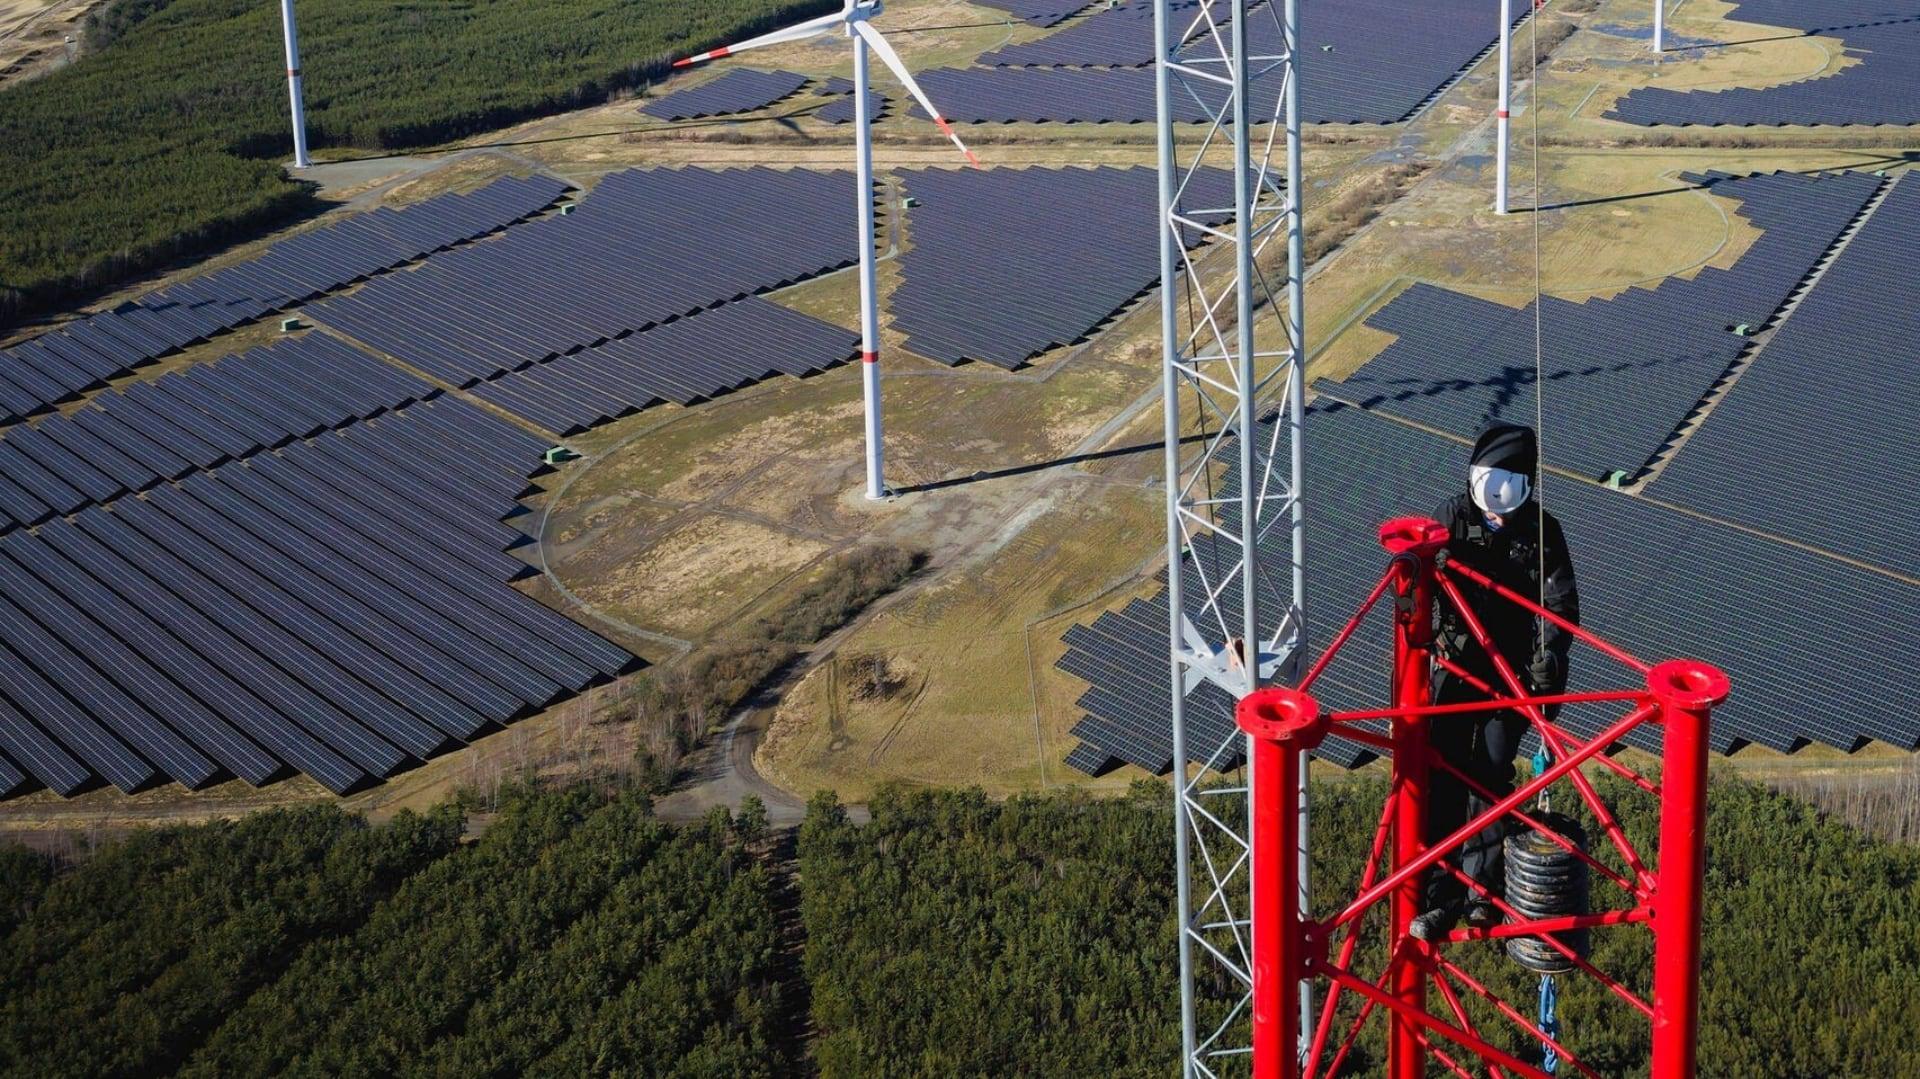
pixel 336 606
pixel 1820 438
pixel 145 433
pixel 1381 61
pixel 1384 60
pixel 1008 95
pixel 83 354
pixel 740 89
pixel 682 361
pixel 1623 373
pixel 1037 12
pixel 647 245
pixel 841 111
pixel 1105 37
pixel 1881 85
pixel 1803 636
pixel 1007 263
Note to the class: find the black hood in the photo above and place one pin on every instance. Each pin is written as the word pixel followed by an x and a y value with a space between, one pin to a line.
pixel 1509 446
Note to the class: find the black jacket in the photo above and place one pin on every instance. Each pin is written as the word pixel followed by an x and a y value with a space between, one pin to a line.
pixel 1511 556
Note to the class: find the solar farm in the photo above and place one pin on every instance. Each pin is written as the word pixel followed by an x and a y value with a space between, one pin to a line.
pixel 414 494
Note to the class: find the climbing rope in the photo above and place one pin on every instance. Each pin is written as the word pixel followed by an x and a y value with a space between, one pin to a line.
pixel 1549 992
pixel 1539 350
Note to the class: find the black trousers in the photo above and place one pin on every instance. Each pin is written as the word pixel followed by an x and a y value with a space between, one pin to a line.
pixel 1483 746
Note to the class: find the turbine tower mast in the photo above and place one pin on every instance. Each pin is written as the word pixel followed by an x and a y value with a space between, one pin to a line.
pixel 1500 112
pixel 292 36
pixel 869 291
pixel 854 18
pixel 1234 346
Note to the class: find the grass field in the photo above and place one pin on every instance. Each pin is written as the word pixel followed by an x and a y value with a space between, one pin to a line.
pixel 977 702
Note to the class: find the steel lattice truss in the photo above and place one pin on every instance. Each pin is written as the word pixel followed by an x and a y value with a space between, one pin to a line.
pixel 1231 336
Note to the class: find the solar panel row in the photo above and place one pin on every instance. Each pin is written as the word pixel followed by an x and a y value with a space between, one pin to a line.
pixel 1624 372
pixel 1008 95
pixel 130 439
pixel 841 111
pixel 334 607
pixel 740 89
pixel 1817 440
pixel 682 361
pixel 1375 61
pixel 1878 83
pixel 647 245
pixel 1007 263
pixel 1366 61
pixel 1119 36
pixel 1802 635
pixel 1037 12
pixel 83 354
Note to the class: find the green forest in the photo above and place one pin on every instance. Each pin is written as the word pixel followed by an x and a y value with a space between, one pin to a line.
pixel 168 136
pixel 951 936
pixel 305 942
pixel 956 936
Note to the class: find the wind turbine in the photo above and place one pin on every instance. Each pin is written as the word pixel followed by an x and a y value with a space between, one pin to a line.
pixel 854 18
pixel 292 37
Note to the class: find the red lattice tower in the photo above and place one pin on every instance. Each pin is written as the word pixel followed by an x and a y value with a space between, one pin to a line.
pixel 1291 949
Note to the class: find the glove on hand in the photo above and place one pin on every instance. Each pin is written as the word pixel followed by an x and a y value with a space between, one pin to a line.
pixel 1544 674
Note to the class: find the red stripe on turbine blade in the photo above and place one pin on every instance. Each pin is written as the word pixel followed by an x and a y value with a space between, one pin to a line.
pixel 703 57
pixel 869 357
pixel 948 128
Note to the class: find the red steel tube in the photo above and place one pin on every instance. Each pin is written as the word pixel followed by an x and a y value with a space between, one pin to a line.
pixel 1367 738
pixel 1402 873
pixel 1486 1050
pixel 1615 834
pixel 1413 542
pixel 1611 984
pixel 1467 676
pixel 1346 631
pixel 1460 1016
pixel 1558 924
pixel 1556 838
pixel 1281 724
pixel 1686 691
pixel 1359 1021
pixel 1464 675
pixel 1504 592
pixel 1514 1015
pixel 1348 946
pixel 1495 704
pixel 1441 1055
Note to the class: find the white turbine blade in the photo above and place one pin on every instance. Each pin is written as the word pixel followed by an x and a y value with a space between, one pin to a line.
pixel 892 60
pixel 796 32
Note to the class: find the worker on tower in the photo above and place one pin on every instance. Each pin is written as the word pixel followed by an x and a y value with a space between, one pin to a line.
pixel 1499 529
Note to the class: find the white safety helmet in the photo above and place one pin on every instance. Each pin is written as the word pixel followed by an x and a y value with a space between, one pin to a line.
pixel 1498 491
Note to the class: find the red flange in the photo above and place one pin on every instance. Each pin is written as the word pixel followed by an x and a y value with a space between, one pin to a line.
pixel 1287 717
